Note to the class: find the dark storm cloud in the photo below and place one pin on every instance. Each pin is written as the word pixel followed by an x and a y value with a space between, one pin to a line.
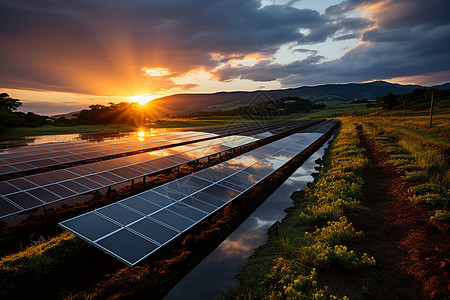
pixel 100 47
pixel 67 45
pixel 410 38
pixel 346 37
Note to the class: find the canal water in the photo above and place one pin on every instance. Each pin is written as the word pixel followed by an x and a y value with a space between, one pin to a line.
pixel 218 270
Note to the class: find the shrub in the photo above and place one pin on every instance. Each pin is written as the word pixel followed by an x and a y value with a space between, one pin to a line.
pixel 337 232
pixel 441 215
pixel 417 176
pixel 428 188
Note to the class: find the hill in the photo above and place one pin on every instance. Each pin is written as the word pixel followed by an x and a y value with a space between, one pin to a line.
pixel 69 115
pixel 417 100
pixel 328 94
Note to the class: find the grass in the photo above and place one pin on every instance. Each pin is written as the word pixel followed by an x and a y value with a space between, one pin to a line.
pixel 23 274
pixel 417 128
pixel 33 254
pixel 316 235
pixel 342 108
pixel 329 112
pixel 418 151
pixel 441 215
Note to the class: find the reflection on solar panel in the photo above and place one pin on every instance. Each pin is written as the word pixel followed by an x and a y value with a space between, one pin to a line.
pixel 21 194
pixel 40 156
pixel 135 227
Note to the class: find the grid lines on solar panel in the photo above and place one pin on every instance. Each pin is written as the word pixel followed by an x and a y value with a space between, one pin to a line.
pixel 169 210
pixel 17 162
pixel 86 178
pixel 47 155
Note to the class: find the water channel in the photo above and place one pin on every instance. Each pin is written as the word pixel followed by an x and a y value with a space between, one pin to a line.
pixel 218 270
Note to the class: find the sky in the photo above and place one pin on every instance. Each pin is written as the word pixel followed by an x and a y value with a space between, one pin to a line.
pixel 61 56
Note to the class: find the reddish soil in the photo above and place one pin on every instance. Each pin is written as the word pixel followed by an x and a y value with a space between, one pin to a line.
pixel 412 252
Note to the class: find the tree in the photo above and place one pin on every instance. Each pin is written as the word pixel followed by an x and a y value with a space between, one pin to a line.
pixel 389 101
pixel 8 103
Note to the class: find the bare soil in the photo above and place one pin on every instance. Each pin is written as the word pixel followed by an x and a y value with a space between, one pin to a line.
pixel 411 252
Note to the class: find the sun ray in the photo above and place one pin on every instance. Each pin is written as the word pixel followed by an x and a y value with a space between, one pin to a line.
pixel 141 99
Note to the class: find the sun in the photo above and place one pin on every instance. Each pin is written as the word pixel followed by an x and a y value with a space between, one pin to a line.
pixel 141 99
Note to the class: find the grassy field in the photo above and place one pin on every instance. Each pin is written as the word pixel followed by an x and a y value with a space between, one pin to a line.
pixel 416 128
pixel 419 152
pixel 329 112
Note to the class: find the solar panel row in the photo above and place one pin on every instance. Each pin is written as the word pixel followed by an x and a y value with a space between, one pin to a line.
pixel 49 158
pixel 51 155
pixel 136 227
pixel 21 194
pixel 55 147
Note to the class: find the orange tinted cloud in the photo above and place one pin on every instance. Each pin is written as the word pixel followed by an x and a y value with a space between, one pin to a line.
pixel 125 48
pixel 111 48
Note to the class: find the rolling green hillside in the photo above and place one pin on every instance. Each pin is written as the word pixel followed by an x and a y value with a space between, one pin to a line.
pixel 329 94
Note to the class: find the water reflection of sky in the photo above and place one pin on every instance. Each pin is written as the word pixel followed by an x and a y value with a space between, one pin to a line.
pixel 139 136
pixel 217 270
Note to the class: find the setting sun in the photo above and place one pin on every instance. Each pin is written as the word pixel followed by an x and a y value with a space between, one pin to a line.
pixel 141 99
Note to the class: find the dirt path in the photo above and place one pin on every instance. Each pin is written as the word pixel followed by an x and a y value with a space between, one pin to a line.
pixel 412 253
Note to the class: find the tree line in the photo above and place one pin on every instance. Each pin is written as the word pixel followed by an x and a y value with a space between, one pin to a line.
pixel 417 100
pixel 113 113
pixel 10 118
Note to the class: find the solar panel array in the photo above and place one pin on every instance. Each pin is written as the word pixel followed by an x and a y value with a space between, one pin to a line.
pixel 41 156
pixel 29 192
pixel 31 159
pixel 135 227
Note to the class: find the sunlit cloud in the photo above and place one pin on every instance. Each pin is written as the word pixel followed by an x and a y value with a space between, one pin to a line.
pixel 118 49
pixel 426 79
pixel 155 72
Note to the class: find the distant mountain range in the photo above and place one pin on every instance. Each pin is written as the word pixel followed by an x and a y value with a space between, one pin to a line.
pixel 328 93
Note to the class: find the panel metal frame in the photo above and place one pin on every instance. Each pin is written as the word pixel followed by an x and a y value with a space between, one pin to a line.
pixel 294 140
pixel 92 176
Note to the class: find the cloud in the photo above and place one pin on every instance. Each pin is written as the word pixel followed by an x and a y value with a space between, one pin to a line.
pixel 405 40
pixel 104 48
pixel 301 50
pixel 110 47
pixel 346 37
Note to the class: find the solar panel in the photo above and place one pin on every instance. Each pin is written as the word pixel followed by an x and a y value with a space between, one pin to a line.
pixel 35 157
pixel 155 217
pixel 11 162
pixel 31 191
